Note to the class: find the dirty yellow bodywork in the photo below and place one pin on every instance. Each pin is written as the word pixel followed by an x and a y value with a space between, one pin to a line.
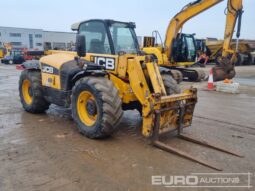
pixel 52 79
pixel 136 79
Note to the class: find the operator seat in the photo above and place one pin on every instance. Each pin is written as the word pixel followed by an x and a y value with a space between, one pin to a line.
pixel 96 46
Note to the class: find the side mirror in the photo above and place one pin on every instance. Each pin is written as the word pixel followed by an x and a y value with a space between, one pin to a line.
pixel 81 45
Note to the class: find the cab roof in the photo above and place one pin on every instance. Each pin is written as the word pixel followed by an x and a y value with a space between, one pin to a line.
pixel 75 26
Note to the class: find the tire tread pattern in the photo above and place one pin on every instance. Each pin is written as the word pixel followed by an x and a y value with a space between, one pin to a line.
pixel 39 104
pixel 171 85
pixel 111 106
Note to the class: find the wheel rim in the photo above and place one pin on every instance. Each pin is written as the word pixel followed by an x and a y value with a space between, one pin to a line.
pixel 27 92
pixel 87 108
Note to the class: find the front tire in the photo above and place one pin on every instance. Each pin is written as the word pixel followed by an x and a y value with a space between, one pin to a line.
pixel 31 92
pixel 96 107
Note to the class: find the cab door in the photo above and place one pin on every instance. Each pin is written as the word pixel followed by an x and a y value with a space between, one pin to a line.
pixel 99 46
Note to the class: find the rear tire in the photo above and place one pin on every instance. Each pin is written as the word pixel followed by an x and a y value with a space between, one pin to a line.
pixel 171 87
pixel 170 84
pixel 31 92
pixel 177 76
pixel 101 95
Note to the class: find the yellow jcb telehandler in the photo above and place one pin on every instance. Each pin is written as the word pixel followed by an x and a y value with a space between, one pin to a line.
pixel 109 74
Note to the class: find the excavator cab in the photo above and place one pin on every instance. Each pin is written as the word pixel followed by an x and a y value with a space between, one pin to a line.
pixel 183 55
pixel 184 48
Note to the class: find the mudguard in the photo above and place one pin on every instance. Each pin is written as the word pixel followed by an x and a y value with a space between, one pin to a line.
pixel 31 64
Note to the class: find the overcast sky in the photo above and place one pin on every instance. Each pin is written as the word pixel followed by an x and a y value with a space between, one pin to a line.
pixel 149 15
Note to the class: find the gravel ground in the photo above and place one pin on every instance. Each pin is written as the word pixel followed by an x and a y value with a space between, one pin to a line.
pixel 46 152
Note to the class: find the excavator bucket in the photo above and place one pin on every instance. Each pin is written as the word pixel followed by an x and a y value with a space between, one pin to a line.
pixel 225 70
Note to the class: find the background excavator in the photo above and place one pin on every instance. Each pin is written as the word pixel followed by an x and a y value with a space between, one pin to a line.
pixel 179 49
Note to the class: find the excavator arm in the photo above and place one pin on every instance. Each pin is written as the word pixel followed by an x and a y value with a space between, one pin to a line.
pixel 234 11
pixel 226 67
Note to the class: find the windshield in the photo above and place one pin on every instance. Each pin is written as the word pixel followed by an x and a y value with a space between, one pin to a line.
pixel 123 38
pixel 191 47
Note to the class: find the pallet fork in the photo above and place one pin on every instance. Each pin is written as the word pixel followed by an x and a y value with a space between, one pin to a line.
pixel 155 139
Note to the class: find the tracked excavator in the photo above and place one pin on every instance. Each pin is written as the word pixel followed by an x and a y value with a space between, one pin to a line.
pixel 105 76
pixel 178 49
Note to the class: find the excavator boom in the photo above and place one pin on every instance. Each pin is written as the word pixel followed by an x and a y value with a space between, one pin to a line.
pixel 187 13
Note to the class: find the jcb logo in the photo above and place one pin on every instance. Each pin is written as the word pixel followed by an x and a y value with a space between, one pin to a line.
pixel 48 69
pixel 108 63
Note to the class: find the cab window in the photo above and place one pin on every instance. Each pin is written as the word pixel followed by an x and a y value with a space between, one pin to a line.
pixel 96 37
pixel 123 38
pixel 191 48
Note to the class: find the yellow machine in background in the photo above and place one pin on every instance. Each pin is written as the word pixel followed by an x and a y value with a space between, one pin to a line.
pixel 6 50
pixel 1 53
pixel 244 56
pixel 107 75
pixel 178 49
